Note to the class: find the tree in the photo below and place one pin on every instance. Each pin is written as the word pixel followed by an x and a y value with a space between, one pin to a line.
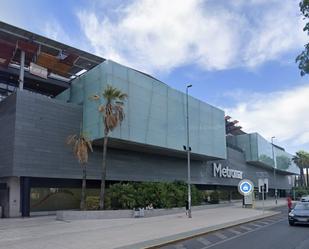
pixel 303 58
pixel 81 144
pixel 301 159
pixel 113 114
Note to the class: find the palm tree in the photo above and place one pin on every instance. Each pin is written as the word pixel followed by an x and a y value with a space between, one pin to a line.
pixel 81 144
pixel 299 162
pixel 301 159
pixel 113 114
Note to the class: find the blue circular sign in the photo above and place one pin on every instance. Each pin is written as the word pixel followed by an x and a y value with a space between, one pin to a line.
pixel 245 187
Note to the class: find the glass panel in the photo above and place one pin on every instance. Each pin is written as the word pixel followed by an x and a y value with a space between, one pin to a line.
pixel 284 161
pixel 258 150
pixel 50 199
pixel 154 113
pixel 265 151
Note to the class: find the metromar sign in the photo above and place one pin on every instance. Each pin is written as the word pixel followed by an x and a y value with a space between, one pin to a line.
pixel 220 171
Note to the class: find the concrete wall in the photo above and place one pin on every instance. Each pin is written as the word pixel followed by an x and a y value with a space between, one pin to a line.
pixel 14 196
pixel 42 125
pixel 140 166
pixel 7 134
pixel 236 160
pixel 10 197
pixel 120 214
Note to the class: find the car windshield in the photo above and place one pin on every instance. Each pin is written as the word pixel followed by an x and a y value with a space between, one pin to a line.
pixel 302 206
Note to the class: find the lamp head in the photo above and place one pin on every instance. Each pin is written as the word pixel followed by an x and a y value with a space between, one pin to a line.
pixel 189 86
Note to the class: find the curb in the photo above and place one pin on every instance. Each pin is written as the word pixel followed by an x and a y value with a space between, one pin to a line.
pixel 71 215
pixel 156 243
pixel 271 207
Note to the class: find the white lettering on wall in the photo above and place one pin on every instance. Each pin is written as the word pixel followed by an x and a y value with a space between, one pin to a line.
pixel 219 171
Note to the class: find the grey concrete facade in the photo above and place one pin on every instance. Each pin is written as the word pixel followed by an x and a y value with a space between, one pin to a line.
pixel 7 134
pixel 41 128
pixel 35 129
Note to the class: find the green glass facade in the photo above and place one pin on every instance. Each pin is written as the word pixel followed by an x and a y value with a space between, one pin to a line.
pixel 259 151
pixel 155 113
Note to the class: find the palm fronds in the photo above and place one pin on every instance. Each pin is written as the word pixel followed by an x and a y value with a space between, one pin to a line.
pixel 80 145
pixel 111 93
pixel 301 159
pixel 112 111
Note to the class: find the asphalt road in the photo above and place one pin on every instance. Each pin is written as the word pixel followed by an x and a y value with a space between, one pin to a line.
pixel 269 233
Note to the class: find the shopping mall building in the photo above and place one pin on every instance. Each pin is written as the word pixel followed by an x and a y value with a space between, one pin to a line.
pixel 45 90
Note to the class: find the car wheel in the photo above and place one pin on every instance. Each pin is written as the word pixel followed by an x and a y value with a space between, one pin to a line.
pixel 291 223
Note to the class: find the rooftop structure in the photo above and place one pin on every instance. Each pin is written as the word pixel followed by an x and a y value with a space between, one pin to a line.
pixel 48 65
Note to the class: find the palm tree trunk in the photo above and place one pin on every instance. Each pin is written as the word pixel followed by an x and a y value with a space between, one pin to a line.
pixel 103 179
pixel 307 176
pixel 305 180
pixel 302 177
pixel 83 197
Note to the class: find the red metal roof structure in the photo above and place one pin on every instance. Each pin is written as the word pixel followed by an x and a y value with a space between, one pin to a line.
pixel 231 127
pixel 49 66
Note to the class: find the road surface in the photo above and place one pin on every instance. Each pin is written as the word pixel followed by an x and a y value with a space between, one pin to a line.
pixel 269 233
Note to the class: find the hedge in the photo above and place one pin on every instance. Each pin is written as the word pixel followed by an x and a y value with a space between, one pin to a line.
pixel 133 195
pixel 300 191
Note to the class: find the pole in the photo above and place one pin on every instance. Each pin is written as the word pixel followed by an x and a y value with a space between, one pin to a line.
pixel 22 70
pixel 275 166
pixel 263 191
pixel 188 156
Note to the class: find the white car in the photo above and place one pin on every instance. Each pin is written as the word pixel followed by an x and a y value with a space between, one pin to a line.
pixel 304 198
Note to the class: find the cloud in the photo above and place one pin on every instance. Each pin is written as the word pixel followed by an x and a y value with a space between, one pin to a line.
pixel 274 34
pixel 53 30
pixel 283 114
pixel 159 35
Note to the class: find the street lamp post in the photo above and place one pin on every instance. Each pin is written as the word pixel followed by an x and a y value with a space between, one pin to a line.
pixel 188 155
pixel 275 166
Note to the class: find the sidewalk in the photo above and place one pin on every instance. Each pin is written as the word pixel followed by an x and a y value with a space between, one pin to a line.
pixel 47 233
pixel 268 204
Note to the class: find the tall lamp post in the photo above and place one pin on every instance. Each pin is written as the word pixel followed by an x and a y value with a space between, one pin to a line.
pixel 188 155
pixel 275 166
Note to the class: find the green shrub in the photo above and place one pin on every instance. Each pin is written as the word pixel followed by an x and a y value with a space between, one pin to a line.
pixel 214 197
pixel 301 191
pixel 224 195
pixel 197 196
pixel 92 202
pixel 122 196
pixel 236 195
pixel 133 195
pixel 161 195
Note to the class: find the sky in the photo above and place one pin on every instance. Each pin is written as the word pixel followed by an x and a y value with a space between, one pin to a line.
pixel 239 55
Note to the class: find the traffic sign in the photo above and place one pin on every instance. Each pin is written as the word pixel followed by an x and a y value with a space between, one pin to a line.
pixel 245 187
pixel 263 185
